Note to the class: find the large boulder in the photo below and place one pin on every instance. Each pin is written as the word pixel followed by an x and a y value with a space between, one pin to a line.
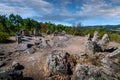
pixel 95 37
pixel 87 72
pixel 57 63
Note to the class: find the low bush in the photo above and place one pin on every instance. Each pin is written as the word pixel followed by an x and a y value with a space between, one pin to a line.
pixel 3 36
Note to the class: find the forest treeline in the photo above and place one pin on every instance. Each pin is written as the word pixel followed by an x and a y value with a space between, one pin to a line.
pixel 10 24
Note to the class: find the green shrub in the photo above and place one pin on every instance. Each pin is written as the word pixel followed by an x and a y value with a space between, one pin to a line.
pixel 115 37
pixel 3 36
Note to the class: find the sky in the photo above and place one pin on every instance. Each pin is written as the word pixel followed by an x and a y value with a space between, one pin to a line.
pixel 66 12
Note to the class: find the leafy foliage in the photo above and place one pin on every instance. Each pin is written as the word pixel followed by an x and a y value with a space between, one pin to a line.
pixel 3 36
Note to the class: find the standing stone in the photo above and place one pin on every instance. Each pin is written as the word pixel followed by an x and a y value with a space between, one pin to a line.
pixel 36 31
pixel 104 42
pixel 24 32
pixel 91 48
pixel 19 39
pixel 95 37
pixel 1 63
pixel 48 32
pixel 105 39
pixel 56 33
pixel 88 37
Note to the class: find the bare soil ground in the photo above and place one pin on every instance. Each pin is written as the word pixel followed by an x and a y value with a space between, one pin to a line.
pixel 34 63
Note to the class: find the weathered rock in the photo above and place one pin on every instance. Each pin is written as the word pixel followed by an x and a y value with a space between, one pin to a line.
pixel 37 42
pixel 19 39
pixel 30 50
pixel 63 33
pixel 24 32
pixel 17 66
pixel 22 47
pixel 57 62
pixel 36 31
pixel 44 44
pixel 104 42
pixel 86 72
pixel 48 32
pixel 15 75
pixel 1 63
pixel 95 37
pixel 114 54
pixel 88 37
pixel 11 74
pixel 110 64
pixel 50 43
pixel 112 61
pixel 91 48
pixel 56 33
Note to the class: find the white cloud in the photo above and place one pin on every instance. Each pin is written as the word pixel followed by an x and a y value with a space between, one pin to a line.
pixel 99 8
pixel 25 7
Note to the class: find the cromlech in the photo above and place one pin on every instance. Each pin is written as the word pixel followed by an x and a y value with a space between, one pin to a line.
pixel 59 40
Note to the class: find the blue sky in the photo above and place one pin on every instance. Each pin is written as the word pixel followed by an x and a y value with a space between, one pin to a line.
pixel 66 12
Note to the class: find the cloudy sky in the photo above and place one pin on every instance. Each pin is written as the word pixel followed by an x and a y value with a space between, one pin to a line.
pixel 67 12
